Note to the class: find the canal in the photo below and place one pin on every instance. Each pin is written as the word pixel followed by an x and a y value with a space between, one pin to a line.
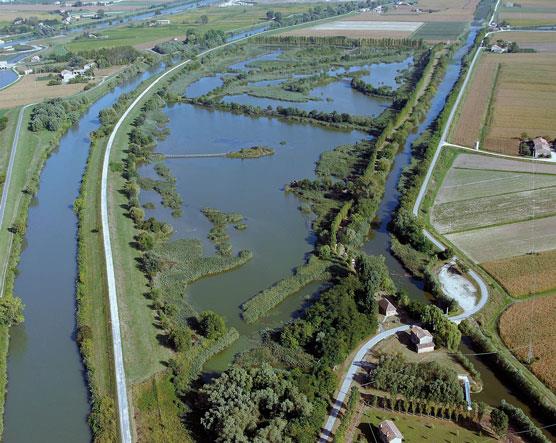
pixel 47 398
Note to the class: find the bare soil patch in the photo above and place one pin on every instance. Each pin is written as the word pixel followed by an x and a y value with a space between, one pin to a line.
pixel 533 322
pixel 526 274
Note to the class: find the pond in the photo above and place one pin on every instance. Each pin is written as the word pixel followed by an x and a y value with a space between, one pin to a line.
pixel 337 96
pixel 380 74
pixel 277 232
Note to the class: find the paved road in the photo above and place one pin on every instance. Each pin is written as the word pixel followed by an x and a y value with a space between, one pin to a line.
pixel 6 190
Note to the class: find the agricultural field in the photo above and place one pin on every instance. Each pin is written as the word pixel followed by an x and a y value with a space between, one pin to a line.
pixel 539 41
pixel 532 321
pixel 416 429
pixel 29 89
pixel 359 28
pixel 436 21
pixel 523 100
pixel 528 13
pixel 501 213
pixel 230 19
pixel 519 284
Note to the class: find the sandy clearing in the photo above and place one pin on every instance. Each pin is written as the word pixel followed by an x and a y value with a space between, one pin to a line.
pixel 498 242
pixel 457 287
pixel 477 161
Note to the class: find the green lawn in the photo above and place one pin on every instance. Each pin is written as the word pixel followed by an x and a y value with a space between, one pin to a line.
pixel 418 429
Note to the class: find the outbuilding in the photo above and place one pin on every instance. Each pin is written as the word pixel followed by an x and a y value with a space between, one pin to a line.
pixel 421 339
pixel 389 432
pixel 386 308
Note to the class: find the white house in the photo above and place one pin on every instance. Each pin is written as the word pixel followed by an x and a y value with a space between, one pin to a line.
pixel 28 71
pixel 389 432
pixel 67 75
pixel 498 49
pixel 422 339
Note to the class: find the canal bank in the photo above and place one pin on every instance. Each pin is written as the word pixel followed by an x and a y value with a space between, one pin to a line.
pixel 47 398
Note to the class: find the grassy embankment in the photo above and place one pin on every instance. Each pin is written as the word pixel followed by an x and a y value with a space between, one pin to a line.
pixel 34 149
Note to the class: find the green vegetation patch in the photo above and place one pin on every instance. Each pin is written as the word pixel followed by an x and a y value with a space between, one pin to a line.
pixel 218 233
pixel 181 262
pixel 440 31
pixel 253 152
pixel 267 299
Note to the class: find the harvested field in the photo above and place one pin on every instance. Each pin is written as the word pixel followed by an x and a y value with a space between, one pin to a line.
pixel 501 213
pixel 533 321
pixel 441 11
pixel 473 111
pixel 30 90
pixel 529 13
pixel 539 41
pixel 499 242
pixel 524 100
pixel 464 215
pixel 465 184
pixel 369 26
pixel 477 161
pixel 510 273
pixel 369 29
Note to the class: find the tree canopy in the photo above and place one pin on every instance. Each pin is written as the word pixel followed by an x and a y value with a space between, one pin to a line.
pixel 253 405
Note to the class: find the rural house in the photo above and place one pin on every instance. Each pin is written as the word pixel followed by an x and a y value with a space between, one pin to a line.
pixel 541 148
pixel 498 49
pixel 422 339
pixel 389 432
pixel 386 308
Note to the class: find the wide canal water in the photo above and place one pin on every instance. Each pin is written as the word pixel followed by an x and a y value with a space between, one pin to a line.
pixel 47 399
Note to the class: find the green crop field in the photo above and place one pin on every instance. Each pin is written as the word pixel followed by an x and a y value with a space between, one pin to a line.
pixel 440 31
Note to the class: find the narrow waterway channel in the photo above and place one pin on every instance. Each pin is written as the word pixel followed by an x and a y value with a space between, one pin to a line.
pixel 47 399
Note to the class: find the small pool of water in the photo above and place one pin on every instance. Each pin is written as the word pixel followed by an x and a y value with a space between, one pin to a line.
pixel 380 74
pixel 244 65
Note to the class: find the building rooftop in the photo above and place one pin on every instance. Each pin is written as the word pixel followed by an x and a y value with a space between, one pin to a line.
pixel 419 332
pixel 389 430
